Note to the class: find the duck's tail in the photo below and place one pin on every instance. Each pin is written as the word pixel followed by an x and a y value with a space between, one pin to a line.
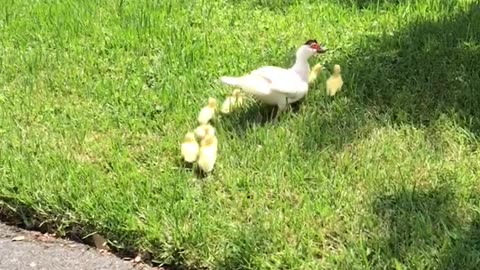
pixel 232 81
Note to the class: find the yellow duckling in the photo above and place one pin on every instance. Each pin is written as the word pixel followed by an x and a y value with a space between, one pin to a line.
pixel 190 148
pixel 232 101
pixel 314 73
pixel 207 112
pixel 203 130
pixel 335 82
pixel 208 153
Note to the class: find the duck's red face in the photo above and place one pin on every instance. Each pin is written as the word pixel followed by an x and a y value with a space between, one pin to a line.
pixel 315 46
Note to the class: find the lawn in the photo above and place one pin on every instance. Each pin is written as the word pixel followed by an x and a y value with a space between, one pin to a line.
pixel 96 96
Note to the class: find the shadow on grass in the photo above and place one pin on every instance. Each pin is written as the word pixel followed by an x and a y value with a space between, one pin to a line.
pixel 465 251
pixel 430 68
pixel 279 6
pixel 258 114
pixel 240 120
pixel 282 6
pixel 411 77
pixel 414 221
pixel 369 3
pixel 425 224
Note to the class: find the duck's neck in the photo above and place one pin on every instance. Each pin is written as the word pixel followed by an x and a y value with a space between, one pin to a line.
pixel 301 66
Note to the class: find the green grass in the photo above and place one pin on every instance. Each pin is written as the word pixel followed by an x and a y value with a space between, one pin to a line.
pixel 96 96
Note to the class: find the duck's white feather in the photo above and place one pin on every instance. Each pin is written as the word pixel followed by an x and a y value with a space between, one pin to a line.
pixel 281 80
pixel 249 83
pixel 276 85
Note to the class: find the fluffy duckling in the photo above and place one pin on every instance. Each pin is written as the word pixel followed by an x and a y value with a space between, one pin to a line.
pixel 314 73
pixel 207 112
pixel 190 148
pixel 335 82
pixel 232 101
pixel 203 130
pixel 208 153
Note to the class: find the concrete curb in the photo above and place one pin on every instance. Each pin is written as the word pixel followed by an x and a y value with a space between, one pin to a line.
pixel 21 249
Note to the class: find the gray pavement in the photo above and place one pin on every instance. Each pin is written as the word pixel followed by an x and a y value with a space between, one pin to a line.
pixel 24 250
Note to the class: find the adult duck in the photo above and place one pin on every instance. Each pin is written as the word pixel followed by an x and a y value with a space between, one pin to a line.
pixel 276 85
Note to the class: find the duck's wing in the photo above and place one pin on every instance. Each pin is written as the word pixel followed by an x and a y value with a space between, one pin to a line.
pixel 281 80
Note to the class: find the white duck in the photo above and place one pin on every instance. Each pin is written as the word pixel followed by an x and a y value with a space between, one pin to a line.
pixel 279 86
